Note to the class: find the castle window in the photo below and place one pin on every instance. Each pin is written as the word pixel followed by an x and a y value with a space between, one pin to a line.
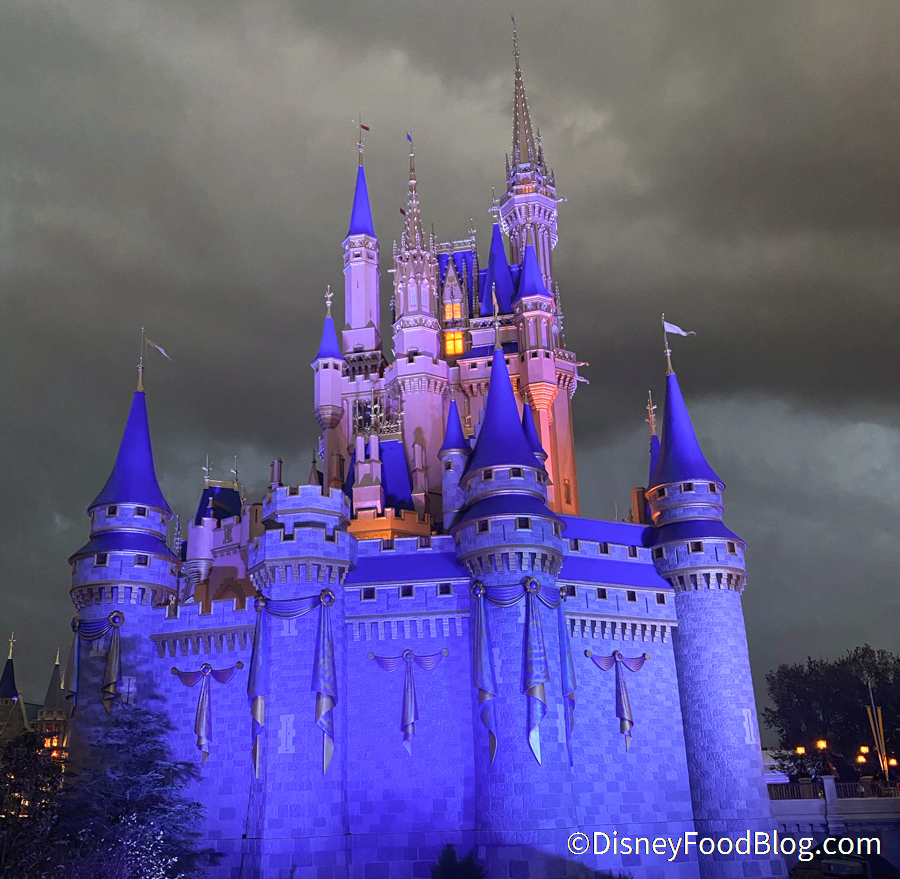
pixel 534 355
pixel 487 475
pixel 112 511
pixel 567 490
pixel 142 560
pixel 696 546
pixel 602 594
pixel 713 488
pixel 484 526
pixel 603 548
pixel 452 311
pixel 140 511
pixel 516 472
pixel 407 590
pixel 453 343
pixel 101 560
pixel 660 597
pixel 557 529
pixel 523 523
pixel 544 334
pixel 631 596
pixel 227 531
pixel 387 543
pixel 575 544
pixel 367 593
pixel 732 547
pixel 357 254
pixel 445 589
pixel 687 486
pixel 659 552
pixel 448 465
pixel 424 542
pixel 660 493
pixel 632 552
pixel 571 592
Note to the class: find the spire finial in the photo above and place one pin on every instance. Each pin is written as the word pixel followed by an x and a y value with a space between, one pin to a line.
pixel 328 297
pixel 360 143
pixel 669 370
pixel 497 345
pixel 57 657
pixel 207 471
pixel 515 41
pixel 651 412
pixel 314 472
pixel 12 640
pixel 140 384
pixel 234 473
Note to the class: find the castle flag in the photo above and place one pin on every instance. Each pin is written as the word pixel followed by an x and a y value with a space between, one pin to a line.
pixel 673 328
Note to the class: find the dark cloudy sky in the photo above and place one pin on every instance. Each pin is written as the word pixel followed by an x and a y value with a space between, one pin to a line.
pixel 188 166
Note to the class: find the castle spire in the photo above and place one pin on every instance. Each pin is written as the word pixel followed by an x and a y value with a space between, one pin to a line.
pixel 8 688
pixel 133 478
pixel 454 438
pixel 531 434
pixel 329 349
pixel 413 233
pixel 524 145
pixel 361 214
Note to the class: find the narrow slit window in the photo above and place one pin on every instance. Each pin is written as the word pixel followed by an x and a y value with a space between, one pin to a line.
pixel 632 552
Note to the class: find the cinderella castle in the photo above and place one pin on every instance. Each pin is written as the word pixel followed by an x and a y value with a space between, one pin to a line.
pixel 424 642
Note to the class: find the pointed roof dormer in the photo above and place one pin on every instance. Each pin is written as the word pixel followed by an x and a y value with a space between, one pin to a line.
pixel 502 440
pixel 497 278
pixel 531 282
pixel 531 434
pixel 361 215
pixel 133 478
pixel 680 456
pixel 454 438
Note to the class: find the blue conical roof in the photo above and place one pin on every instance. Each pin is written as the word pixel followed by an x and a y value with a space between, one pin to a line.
pixel 502 440
pixel 531 282
pixel 654 455
pixel 329 347
pixel 680 457
pixel 454 438
pixel 497 278
pixel 530 429
pixel 8 689
pixel 361 215
pixel 133 478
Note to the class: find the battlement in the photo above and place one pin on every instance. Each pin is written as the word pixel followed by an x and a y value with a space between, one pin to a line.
pixel 189 629
pixel 306 500
pixel 368 524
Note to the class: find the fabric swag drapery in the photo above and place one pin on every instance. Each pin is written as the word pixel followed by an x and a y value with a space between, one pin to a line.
pixel 94 630
pixel 203 718
pixel 536 667
pixel 324 679
pixel 623 703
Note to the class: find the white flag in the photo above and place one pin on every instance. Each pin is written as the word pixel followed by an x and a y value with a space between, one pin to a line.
pixel 158 348
pixel 672 328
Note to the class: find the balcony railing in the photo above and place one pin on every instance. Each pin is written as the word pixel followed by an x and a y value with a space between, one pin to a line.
pixel 861 789
pixel 807 791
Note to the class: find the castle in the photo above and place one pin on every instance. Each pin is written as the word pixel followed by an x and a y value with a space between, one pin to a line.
pixel 556 675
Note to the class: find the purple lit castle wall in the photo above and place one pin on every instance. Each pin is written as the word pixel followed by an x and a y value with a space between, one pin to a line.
pixel 423 642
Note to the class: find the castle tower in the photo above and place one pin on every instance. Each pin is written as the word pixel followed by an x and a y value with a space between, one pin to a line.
pixel 124 572
pixel 13 720
pixel 534 320
pixel 528 210
pixel 453 455
pixel 505 534
pixel 704 563
pixel 419 376
pixel 304 551
pixel 361 334
pixel 328 367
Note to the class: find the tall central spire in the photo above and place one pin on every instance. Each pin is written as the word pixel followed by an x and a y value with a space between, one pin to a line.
pixel 413 233
pixel 524 145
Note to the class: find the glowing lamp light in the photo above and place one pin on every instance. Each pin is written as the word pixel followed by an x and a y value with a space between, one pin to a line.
pixel 892 761
pixel 860 759
pixel 863 749
pixel 801 750
pixel 821 744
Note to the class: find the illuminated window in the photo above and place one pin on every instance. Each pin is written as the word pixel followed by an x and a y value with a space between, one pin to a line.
pixel 452 311
pixel 453 343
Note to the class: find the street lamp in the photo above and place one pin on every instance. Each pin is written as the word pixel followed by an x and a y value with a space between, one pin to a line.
pixel 821 744
pixel 863 749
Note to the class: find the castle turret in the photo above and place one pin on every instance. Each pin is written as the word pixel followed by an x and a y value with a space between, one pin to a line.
pixel 13 721
pixel 704 563
pixel 53 715
pixel 453 455
pixel 125 570
pixel 328 367
pixel 361 334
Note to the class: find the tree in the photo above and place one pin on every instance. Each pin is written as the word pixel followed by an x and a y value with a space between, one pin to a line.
pixel 450 867
pixel 125 815
pixel 30 782
pixel 824 699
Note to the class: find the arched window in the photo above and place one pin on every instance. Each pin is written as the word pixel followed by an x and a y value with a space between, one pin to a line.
pixel 413 296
